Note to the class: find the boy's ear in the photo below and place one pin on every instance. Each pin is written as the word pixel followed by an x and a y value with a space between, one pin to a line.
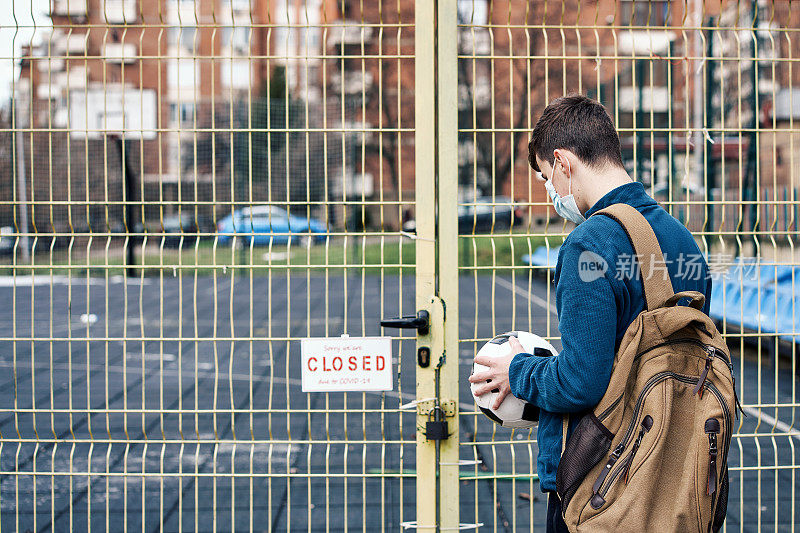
pixel 559 156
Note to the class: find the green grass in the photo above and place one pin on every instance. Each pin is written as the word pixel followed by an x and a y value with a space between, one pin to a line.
pixel 480 253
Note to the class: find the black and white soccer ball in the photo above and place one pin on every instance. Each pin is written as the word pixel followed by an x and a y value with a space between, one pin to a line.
pixel 513 412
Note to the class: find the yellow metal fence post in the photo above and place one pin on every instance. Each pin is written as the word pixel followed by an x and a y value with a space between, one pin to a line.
pixel 447 185
pixel 437 287
pixel 425 194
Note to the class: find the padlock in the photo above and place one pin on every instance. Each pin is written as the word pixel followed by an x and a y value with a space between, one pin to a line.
pixel 436 429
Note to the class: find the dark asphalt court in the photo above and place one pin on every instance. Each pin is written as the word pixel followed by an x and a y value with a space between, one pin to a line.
pixel 177 406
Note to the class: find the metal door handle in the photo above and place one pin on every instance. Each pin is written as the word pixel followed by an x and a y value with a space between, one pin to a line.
pixel 421 322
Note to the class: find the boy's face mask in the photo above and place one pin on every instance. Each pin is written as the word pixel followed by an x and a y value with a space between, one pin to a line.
pixel 565 206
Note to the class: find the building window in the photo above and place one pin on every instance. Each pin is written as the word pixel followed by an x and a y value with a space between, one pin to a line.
pixel 236 39
pixel 243 5
pixel 652 13
pixel 473 12
pixel 235 73
pixel 182 113
pixel 184 73
pixel 184 37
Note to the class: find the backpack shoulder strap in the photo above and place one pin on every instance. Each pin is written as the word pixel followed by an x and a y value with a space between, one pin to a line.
pixel 657 284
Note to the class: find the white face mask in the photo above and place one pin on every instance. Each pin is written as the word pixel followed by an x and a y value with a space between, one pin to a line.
pixel 565 205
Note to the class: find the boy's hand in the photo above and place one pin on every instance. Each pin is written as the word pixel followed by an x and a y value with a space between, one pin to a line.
pixel 497 373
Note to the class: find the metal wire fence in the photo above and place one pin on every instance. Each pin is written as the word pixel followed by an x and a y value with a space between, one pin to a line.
pixel 703 95
pixel 152 353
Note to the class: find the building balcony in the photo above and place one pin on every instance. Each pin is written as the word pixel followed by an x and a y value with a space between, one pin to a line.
pixel 120 52
pixel 236 50
pixel 56 84
pixel 350 33
pixel 119 11
pixel 47 65
pixel 68 8
pixel 241 5
pixel 479 95
pixel 75 43
pixel 361 133
pixel 474 41
pixel 354 82
pixel 75 78
pixel 359 184
pixel 49 90
pixel 65 42
pixel 645 42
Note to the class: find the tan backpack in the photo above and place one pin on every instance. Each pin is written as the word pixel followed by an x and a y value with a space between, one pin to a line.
pixel 652 456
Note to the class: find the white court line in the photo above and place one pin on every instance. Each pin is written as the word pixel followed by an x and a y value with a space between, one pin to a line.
pixel 23 280
pixel 771 421
pixel 45 279
pixel 544 304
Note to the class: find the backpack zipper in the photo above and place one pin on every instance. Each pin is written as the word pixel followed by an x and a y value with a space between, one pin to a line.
pixel 597 498
pixel 600 488
pixel 684 379
pixel 691 340
pixel 698 389
pixel 712 429
pixel 712 352
pixel 647 423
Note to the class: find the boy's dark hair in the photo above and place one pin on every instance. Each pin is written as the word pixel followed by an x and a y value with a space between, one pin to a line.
pixel 579 124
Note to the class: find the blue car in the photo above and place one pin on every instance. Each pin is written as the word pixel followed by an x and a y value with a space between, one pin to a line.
pixel 265 224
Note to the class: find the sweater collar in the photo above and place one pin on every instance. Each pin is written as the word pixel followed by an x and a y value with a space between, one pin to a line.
pixel 632 194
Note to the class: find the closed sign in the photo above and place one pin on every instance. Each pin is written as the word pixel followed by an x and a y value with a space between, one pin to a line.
pixel 332 364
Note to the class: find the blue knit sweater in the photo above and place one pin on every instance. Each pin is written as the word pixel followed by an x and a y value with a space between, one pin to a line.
pixel 595 307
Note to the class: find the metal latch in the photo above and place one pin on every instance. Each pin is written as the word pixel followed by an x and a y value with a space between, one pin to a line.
pixel 424 407
pixel 421 322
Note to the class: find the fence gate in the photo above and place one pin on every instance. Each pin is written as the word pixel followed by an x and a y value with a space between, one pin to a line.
pixel 191 187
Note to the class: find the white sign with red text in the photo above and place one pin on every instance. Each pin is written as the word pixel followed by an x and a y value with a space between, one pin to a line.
pixel 336 364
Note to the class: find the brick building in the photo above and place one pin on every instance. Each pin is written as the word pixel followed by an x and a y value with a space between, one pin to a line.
pixel 662 87
pixel 308 102
pixel 177 76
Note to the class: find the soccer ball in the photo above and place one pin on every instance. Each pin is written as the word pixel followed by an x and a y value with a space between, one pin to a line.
pixel 513 412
